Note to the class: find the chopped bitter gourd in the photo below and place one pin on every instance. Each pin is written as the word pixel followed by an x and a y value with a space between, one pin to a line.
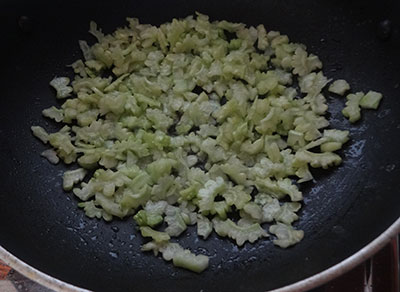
pixel 194 122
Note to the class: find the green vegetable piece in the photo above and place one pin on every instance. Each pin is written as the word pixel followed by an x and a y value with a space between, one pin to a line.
pixel 85 192
pixel 234 173
pixel 157 236
pixel 60 84
pixel 86 51
pixel 262 43
pixel 286 213
pixel 134 197
pixel 207 194
pixel 93 212
pixel 221 208
pixel 54 113
pixel 145 218
pixel 236 196
pixel 303 64
pixel 371 100
pixel 330 136
pixel 323 160
pixel 160 168
pixel 215 153
pixel 51 156
pixel 235 44
pixel 339 136
pixel 340 86
pixel 313 83
pixel 63 143
pixel 204 226
pixel 40 133
pixel 296 139
pixel 287 236
pixel 192 262
pixel 160 120
pixel 116 83
pixel 89 160
pixel 175 221
pixel 111 207
pixel 180 257
pixel 352 109
pixel 156 207
pixel 269 124
pixel 240 234
pixel 270 210
pixel 330 146
pixel 72 177
pixel 253 210
pixel 253 148
pixel 279 188
pixel 190 193
pixel 273 152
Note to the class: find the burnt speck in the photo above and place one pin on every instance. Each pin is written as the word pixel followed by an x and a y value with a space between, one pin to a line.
pixel 25 24
pixel 115 228
pixel 384 29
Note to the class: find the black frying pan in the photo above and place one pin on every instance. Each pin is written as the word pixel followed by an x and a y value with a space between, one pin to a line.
pixel 344 210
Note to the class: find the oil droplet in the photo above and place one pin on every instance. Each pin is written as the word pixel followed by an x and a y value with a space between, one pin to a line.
pixel 235 248
pixel 83 240
pixel 113 254
pixel 384 113
pixel 252 259
pixel 384 29
pixel 356 149
pixel 81 225
pixel 390 167
pixel 338 229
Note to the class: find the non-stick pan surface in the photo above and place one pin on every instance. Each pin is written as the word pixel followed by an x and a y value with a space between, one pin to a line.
pixel 344 209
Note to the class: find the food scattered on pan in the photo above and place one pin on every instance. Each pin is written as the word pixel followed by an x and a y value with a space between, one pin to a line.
pixel 196 123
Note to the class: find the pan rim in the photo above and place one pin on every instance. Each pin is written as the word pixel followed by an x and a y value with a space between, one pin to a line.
pixel 345 265
pixel 303 285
